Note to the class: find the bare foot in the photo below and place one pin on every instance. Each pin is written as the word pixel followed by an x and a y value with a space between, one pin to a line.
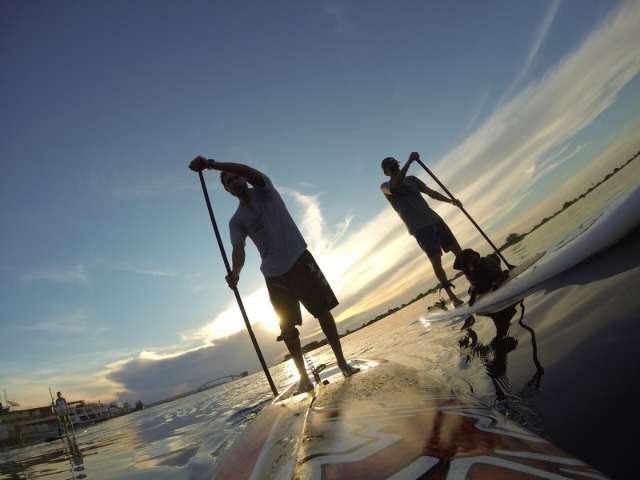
pixel 347 370
pixel 304 386
pixel 457 302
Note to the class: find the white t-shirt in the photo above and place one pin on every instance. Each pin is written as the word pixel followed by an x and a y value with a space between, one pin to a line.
pixel 61 405
pixel 408 201
pixel 269 225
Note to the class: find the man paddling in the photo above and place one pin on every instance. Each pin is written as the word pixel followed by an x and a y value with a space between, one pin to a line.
pixel 61 404
pixel 404 193
pixel 291 273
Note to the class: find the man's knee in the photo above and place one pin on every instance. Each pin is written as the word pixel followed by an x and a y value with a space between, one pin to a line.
pixel 288 333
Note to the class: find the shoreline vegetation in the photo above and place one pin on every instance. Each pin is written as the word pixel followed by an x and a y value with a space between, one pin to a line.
pixel 512 239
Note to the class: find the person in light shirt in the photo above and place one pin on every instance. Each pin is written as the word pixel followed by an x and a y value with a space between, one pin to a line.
pixel 291 273
pixel 405 194
pixel 61 404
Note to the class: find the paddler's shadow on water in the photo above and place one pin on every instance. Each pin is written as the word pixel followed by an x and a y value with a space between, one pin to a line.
pixel 494 353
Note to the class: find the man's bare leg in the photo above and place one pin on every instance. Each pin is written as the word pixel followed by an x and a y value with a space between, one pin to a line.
pixel 436 262
pixel 455 247
pixel 295 349
pixel 328 325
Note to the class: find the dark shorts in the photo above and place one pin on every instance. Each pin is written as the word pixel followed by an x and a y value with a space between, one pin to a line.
pixel 435 239
pixel 303 283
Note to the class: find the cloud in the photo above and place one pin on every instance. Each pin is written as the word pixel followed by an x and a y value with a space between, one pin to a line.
pixel 200 282
pixel 491 170
pixel 374 266
pixel 522 133
pixel 554 161
pixel 75 322
pixel 476 114
pixel 151 272
pixel 319 236
pixel 538 40
pixel 612 156
pixel 75 274
pixel 155 376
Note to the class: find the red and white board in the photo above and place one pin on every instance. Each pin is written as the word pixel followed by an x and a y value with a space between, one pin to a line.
pixel 391 422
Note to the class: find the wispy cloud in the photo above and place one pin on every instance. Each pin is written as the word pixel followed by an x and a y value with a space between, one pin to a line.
pixel 478 111
pixel 75 274
pixel 371 267
pixel 547 114
pixel 554 161
pixel 75 322
pixel 320 237
pixel 152 272
pixel 200 282
pixel 538 40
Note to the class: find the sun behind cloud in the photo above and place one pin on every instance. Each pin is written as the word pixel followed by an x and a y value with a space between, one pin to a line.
pixel 229 321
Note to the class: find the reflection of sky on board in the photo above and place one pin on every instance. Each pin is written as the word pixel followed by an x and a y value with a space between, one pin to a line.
pixel 541 145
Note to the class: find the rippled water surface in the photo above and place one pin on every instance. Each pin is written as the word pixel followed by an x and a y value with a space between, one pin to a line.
pixel 561 362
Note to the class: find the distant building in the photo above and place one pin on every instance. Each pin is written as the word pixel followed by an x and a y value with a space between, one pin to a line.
pixel 83 413
pixel 4 433
pixel 30 425
pixel 42 423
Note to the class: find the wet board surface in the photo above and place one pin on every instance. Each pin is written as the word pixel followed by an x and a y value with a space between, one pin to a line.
pixel 391 422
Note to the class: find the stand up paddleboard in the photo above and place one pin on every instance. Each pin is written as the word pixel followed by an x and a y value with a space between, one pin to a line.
pixel 592 237
pixel 390 421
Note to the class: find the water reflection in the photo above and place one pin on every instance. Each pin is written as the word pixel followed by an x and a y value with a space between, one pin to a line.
pixel 74 457
pixel 494 354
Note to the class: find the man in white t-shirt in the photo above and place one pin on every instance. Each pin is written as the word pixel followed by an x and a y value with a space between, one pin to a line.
pixel 61 404
pixel 405 194
pixel 291 273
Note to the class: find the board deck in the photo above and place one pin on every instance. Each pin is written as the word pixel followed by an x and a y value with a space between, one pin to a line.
pixel 391 422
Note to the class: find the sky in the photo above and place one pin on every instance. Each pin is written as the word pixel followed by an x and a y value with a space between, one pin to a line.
pixel 111 284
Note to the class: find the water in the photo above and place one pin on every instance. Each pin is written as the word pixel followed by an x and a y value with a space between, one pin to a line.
pixel 565 371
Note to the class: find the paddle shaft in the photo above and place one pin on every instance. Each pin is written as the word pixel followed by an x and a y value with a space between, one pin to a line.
pixel 235 289
pixel 446 190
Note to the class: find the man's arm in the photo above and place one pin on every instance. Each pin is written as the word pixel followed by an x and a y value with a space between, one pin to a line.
pixel 253 176
pixel 237 262
pixel 397 180
pixel 438 196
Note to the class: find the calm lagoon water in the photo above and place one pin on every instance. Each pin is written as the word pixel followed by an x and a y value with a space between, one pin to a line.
pixel 576 387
